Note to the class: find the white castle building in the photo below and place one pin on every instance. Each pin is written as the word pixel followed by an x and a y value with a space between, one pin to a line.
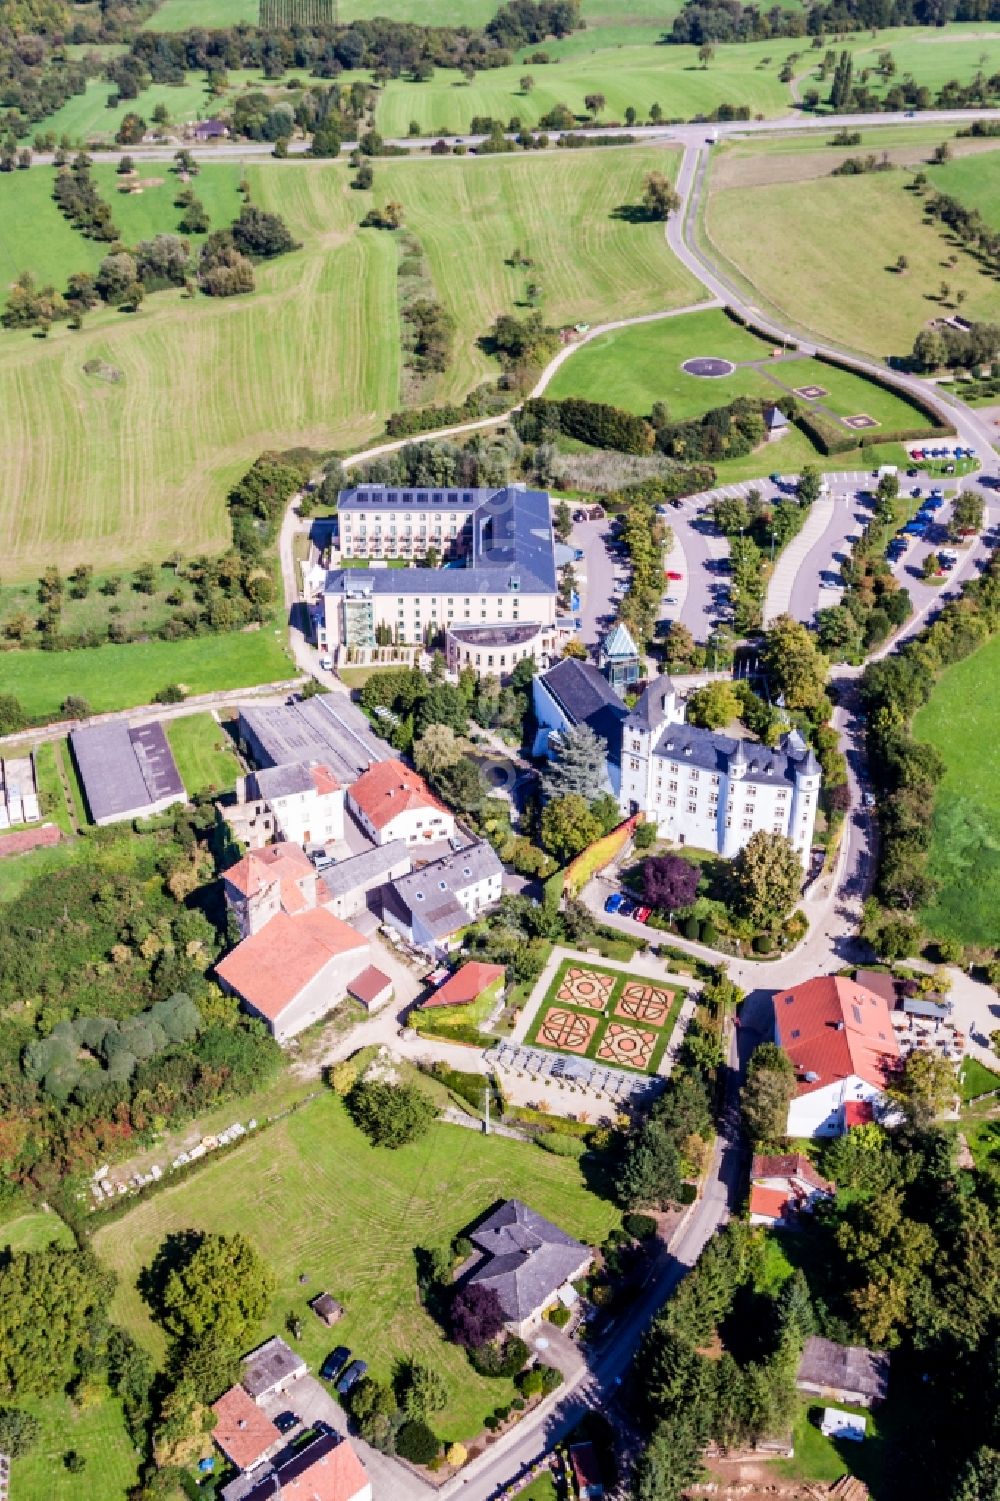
pixel 699 787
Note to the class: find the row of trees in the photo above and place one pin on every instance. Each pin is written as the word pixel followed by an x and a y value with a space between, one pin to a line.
pixel 873 604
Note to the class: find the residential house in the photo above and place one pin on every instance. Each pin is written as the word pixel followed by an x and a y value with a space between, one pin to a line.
pixel 391 802
pixel 243 1431
pixel 294 970
pixel 305 800
pixel 326 1468
pixel 430 906
pixel 371 987
pixel 210 130
pixel 844 1373
pixel 528 1262
pixel 126 773
pixel 470 981
pixel 840 1039
pixel 784 1187
pixel 280 878
pixel 271 1369
pixel 347 886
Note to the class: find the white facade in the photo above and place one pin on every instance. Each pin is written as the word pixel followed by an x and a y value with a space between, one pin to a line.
pixel 310 817
pixel 401 531
pixel 711 791
pixel 406 615
pixel 414 826
pixel 820 1112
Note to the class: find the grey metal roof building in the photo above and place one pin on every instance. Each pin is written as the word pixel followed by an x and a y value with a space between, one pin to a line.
pixel 850 1372
pixel 526 1259
pixel 429 900
pixel 126 773
pixel 327 728
pixel 271 1367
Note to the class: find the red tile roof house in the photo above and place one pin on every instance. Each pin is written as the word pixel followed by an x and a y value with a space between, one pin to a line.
pixel 840 1039
pixel 783 1188
pixel 586 1472
pixel 280 878
pixel 243 1431
pixel 295 969
pixel 391 802
pixel 325 1469
pixel 467 984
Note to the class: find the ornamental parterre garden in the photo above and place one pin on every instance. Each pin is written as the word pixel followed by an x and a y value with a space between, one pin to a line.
pixel 607 1015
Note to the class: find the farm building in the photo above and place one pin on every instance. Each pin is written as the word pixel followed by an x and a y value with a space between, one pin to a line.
pixel 847 1373
pixel 126 773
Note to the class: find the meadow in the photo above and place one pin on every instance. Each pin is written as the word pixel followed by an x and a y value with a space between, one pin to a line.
pixel 309 1179
pixel 120 473
pixel 203 752
pixel 962 720
pixel 97 1431
pixel 974 180
pixel 847 233
pixel 121 677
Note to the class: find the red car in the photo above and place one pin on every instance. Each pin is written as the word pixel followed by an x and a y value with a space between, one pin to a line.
pixel 642 914
pixel 674 575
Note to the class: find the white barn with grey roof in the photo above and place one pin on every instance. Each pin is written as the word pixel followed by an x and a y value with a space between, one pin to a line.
pixel 126 773
pixel 347 885
pixel 328 729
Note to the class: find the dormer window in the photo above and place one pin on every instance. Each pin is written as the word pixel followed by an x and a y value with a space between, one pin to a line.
pixel 419 896
pixel 442 885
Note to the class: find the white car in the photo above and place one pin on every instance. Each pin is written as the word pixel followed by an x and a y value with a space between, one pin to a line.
pixel 326 663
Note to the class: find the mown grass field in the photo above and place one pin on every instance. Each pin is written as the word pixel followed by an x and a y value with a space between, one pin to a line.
pixel 962 719
pixel 33 1231
pixel 121 677
pixel 97 1431
pixel 203 753
pixel 152 211
pixel 178 15
pixel 35 237
pixel 821 251
pixel 127 472
pixel 321 1202
pixel 637 75
pixel 975 180
pixel 90 116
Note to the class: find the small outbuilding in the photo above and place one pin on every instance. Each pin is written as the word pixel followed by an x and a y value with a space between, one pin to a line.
pixel 371 987
pixel 327 1309
pixel 847 1373
pixel 271 1369
pixel 839 1424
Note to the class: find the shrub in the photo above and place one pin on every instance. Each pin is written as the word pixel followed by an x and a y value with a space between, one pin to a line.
pixel 501 1360
pixel 692 928
pixel 640 1226
pixel 559 1316
pixel 529 1383
pixel 709 936
pixel 561 1145
pixel 390 1115
pixel 552 1379
pixel 688 1193
pixel 18 1432
pixel 456 1455
pixel 416 1442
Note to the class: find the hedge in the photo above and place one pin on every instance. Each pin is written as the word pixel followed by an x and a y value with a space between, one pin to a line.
pixel 592 422
pixel 561 1145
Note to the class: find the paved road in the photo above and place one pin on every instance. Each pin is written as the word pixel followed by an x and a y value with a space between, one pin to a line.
pixel 686 135
pixel 597 572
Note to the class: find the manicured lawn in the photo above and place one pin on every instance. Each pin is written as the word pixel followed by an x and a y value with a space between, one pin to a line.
pixel 118 473
pixel 35 1230
pixel 445 1021
pixel 96 1431
pixel 849 394
pixel 962 719
pixel 819 1459
pixel 585 1013
pixel 636 366
pixel 203 753
pixel 977 1079
pixel 141 215
pixel 542 1489
pixel 121 677
pixel 323 1204
pixel 820 251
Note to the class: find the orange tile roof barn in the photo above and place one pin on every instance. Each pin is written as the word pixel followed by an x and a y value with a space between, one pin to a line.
pixel 243 1432
pixel 273 966
pixel 390 788
pixel 466 984
pixel 833 1028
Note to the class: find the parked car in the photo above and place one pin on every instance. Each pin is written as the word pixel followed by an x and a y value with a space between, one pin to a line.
pixel 917 453
pixel 642 914
pixel 627 908
pixel 947 560
pixel 335 1363
pixel 674 576
pixel 285 1422
pixel 868 799
pixel 351 1376
pixel 614 902
pixel 916 492
pixel 326 663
